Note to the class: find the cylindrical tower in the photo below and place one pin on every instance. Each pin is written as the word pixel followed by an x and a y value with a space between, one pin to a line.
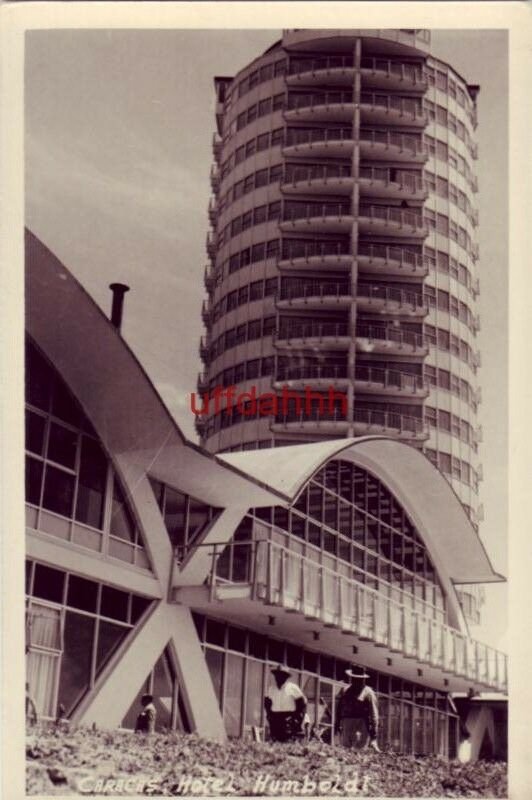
pixel 342 274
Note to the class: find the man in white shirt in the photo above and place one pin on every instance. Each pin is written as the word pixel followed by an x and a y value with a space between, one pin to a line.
pixel 285 706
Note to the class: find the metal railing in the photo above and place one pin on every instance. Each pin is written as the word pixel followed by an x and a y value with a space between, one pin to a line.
pixel 404 141
pixel 300 65
pixel 311 372
pixel 390 378
pixel 296 211
pixel 390 333
pixel 311 172
pixel 291 250
pixel 402 256
pixel 409 181
pixel 391 214
pixel 312 135
pixel 276 575
pixel 390 294
pixel 391 420
pixel 305 289
pixel 395 69
pixel 311 100
pixel 391 102
pixel 312 330
pixel 313 414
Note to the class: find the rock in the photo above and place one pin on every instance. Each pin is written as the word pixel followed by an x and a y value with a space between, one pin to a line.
pixel 56 775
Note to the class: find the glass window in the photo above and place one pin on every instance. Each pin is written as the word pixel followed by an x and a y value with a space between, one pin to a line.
pixel 110 636
pixel 254 693
pixel 232 705
pixel 91 483
pixel 48 583
pixel 76 660
pixel 122 525
pixel 114 603
pixel 35 425
pixel 58 491
pixel 62 445
pixel 82 593
pixel 163 692
pixel 175 515
pixel 34 471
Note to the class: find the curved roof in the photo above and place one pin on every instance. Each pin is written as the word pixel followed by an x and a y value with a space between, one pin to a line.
pixel 421 489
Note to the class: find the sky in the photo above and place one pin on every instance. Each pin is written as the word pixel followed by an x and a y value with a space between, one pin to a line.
pixel 119 126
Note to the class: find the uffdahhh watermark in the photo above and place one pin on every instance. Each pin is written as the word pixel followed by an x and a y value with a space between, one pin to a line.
pixel 251 403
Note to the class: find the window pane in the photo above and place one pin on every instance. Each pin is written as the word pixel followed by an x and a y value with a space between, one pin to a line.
pixel 34 470
pixel 175 515
pixel 38 379
pixel 214 659
pixel 198 517
pixel 48 583
pixel 254 693
pixel 138 606
pixel 109 637
pixel 233 694
pixel 82 593
pixel 91 486
pixel 34 432
pixel 58 491
pixel 114 603
pixel 76 660
pixel 122 524
pixel 62 445
pixel 163 692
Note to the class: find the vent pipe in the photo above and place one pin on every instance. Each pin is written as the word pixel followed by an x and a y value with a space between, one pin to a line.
pixel 118 290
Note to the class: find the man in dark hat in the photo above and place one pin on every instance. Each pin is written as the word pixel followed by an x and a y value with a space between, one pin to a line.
pixel 146 718
pixel 357 717
pixel 285 706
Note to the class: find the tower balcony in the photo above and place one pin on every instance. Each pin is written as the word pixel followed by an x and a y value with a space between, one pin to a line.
pixel 388 220
pixel 305 335
pixel 380 259
pixel 217 147
pixel 398 184
pixel 314 422
pixel 334 70
pixel 204 349
pixel 320 107
pixel 319 376
pixel 320 179
pixel 390 300
pixel 314 294
pixel 260 578
pixel 390 340
pixel 312 255
pixel 215 178
pixel 212 211
pixel 319 142
pixel 317 217
pixel 380 73
pixel 208 277
pixel 202 383
pixel 206 313
pixel 210 244
pixel 392 146
pixel 389 382
pixel 389 109
pixel 389 423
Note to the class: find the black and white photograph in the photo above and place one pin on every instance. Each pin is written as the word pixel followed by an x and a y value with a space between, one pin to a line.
pixel 266 352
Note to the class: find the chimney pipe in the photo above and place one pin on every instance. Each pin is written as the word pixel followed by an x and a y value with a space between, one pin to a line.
pixel 118 290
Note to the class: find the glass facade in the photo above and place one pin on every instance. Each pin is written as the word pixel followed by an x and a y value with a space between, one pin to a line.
pixel 73 627
pixel 162 684
pixel 72 491
pixel 413 719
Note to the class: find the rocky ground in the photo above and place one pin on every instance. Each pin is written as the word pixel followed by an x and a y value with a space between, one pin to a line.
pixel 84 762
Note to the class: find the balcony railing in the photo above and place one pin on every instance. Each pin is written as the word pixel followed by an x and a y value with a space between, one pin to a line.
pixel 402 256
pixel 404 141
pixel 390 333
pixel 408 181
pixel 276 575
pixel 300 65
pixel 313 135
pixel 298 101
pixel 313 414
pixel 391 102
pixel 390 294
pixel 305 289
pixel 313 172
pixel 215 178
pixel 390 420
pixel 313 330
pixel 411 72
pixel 297 211
pixel 311 249
pixel 311 372
pixel 391 379
pixel 391 214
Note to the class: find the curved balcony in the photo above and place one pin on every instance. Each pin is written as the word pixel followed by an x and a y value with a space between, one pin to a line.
pixel 386 220
pixel 212 211
pixel 391 382
pixel 210 244
pixel 327 335
pixel 389 423
pixel 319 217
pixel 314 294
pixel 204 349
pixel 209 279
pixel 389 109
pixel 380 259
pixel 390 300
pixel 388 339
pixel 206 313
pixel 321 179
pixel 202 383
pixel 309 142
pixel 215 178
pixel 331 70
pixel 319 376
pixel 323 421
pixel 391 146
pixel 398 184
pixel 312 255
pixel 217 147
pixel 320 107
pixel 381 73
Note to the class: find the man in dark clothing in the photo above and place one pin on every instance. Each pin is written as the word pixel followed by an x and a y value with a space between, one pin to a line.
pixel 146 718
pixel 357 716
pixel 285 706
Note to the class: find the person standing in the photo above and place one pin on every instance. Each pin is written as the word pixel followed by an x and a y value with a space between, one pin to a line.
pixel 358 713
pixel 148 715
pixel 285 706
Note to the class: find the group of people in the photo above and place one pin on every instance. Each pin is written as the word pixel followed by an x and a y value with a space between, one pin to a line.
pixel 357 714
